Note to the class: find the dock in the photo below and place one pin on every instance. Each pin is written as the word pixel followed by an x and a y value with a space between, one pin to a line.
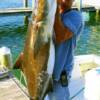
pixel 15 11
pixel 87 4
pixel 28 11
pixel 9 90
pixel 84 4
pixel 94 3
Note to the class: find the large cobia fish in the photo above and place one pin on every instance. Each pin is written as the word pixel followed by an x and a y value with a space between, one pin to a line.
pixel 38 55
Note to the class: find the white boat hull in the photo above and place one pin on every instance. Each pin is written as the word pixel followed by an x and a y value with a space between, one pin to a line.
pixel 77 84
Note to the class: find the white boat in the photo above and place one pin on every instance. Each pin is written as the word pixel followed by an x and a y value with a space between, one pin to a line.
pixel 82 84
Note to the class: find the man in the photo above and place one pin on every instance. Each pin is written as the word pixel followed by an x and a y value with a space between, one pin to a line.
pixel 68 26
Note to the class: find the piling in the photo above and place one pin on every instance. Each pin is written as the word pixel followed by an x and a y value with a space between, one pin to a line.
pixel 79 4
pixel 97 15
pixel 25 3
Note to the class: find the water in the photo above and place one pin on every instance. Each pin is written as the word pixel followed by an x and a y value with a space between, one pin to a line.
pixel 89 42
pixel 12 28
pixel 13 31
pixel 13 3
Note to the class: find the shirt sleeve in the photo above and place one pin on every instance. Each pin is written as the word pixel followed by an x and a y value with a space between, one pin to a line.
pixel 73 21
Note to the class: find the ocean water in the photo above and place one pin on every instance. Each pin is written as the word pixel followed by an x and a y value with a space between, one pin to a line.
pixel 89 42
pixel 13 31
pixel 13 3
pixel 12 34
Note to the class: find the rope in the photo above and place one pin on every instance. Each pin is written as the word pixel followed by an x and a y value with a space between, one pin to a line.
pixel 12 77
pixel 22 76
pixel 77 93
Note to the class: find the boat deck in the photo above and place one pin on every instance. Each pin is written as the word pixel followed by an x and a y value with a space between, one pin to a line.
pixel 9 90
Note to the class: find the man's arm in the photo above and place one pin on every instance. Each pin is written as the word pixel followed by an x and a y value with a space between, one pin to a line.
pixel 62 33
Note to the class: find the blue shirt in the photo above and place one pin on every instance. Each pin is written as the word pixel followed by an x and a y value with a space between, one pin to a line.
pixel 64 52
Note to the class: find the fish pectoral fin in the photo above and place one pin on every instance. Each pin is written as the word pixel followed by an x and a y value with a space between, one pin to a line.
pixel 18 63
